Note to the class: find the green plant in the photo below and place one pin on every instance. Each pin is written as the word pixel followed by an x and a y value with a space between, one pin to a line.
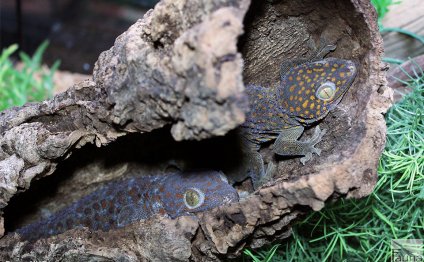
pixel 352 230
pixel 382 7
pixel 31 83
pixel 262 256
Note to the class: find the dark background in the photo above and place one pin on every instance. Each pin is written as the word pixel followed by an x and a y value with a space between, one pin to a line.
pixel 78 30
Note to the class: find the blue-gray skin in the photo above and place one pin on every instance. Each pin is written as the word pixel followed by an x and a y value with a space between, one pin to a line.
pixel 309 89
pixel 119 203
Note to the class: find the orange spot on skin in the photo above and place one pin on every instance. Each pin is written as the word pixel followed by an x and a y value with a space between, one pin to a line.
pixel 339 83
pixel 292 88
pixel 305 104
pixel 298 109
pixel 291 109
pixel 311 116
pixel 298 78
pixel 300 71
pixel 318 107
pixel 300 92
pixel 311 106
pixel 342 74
pixel 336 65
pixel 303 88
pixel 333 79
pixel 323 74
pixel 291 98
pixel 308 91
pixel 326 65
pixel 309 71
pixel 308 80
pixel 301 83
pixel 318 112
pixel 96 206
pixel 300 99
pixel 333 69
pixel 312 97
pixel 290 78
pixel 178 195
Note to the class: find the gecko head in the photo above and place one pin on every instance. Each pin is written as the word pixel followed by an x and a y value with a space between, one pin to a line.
pixel 309 91
pixel 196 191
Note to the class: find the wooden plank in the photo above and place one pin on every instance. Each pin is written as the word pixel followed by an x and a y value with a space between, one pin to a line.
pixel 409 15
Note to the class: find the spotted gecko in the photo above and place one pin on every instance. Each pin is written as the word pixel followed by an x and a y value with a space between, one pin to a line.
pixel 119 203
pixel 308 90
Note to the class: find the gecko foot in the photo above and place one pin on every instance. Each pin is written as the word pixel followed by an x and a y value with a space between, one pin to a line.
pixel 269 174
pixel 316 138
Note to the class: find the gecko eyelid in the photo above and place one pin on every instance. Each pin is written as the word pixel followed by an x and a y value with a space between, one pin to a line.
pixel 326 91
pixel 193 198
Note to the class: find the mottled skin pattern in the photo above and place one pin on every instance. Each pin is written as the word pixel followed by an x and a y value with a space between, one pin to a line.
pixel 118 204
pixel 307 92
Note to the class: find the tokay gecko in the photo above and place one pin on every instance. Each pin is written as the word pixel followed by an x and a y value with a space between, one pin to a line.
pixel 308 90
pixel 119 203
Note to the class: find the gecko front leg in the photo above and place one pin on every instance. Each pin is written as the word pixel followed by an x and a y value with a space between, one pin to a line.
pixel 287 143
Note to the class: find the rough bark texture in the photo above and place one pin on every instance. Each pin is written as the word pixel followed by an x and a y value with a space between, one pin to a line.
pixel 180 70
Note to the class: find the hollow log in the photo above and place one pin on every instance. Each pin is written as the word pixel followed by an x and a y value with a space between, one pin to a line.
pixel 171 89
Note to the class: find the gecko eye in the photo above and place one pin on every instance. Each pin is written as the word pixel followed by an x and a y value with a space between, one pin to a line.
pixel 326 91
pixel 193 198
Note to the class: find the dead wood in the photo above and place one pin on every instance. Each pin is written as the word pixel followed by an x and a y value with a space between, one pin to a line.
pixel 178 74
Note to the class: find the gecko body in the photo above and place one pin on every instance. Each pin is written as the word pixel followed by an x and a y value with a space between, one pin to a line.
pixel 119 203
pixel 308 90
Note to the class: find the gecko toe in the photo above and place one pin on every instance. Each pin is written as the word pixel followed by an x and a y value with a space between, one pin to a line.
pixel 306 158
pixel 317 151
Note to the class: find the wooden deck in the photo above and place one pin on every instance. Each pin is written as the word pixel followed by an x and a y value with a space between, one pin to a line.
pixel 409 15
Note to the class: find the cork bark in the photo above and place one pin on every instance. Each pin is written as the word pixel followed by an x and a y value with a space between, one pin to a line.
pixel 171 90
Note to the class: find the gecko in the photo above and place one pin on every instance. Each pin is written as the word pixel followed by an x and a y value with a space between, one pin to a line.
pixel 309 89
pixel 119 203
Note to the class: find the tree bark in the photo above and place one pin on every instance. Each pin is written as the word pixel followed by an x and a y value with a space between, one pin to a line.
pixel 181 70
